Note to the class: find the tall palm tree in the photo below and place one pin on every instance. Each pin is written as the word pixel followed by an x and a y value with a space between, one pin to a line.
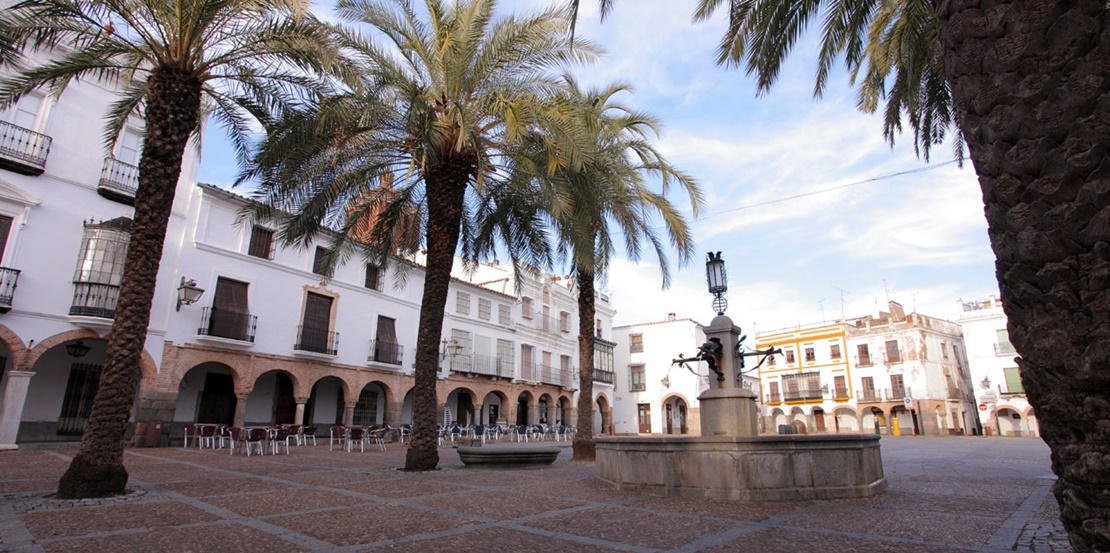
pixel 444 103
pixel 167 57
pixel 603 191
pixel 1025 83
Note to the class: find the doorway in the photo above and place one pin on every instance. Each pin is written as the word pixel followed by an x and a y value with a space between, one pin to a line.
pixel 644 415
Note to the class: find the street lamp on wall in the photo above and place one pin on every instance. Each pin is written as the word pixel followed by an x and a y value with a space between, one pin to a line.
pixel 77 349
pixel 450 349
pixel 188 293
pixel 717 279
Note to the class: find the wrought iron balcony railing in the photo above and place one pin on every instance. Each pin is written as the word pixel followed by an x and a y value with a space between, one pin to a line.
pixel 386 352
pixel 317 340
pixel 802 394
pixel 841 393
pixel 774 398
pixel 8 280
pixel 869 396
pixel 224 323
pixel 22 150
pixel 863 361
pixel 897 394
pixel 118 181
pixel 91 299
pixel 605 377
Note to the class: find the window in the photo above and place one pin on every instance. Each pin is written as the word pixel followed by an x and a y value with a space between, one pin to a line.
pixel 484 308
pixel 636 382
pixel 526 307
pixel 789 353
pixel 802 386
pixel 546 319
pixel 5 231
pixel 834 351
pixel 564 367
pixel 564 321
pixel 603 356
pixel 315 332
pixel 25 113
pixel 527 362
pixel 897 387
pixel 386 348
pixel 771 360
pixel 868 391
pixel 863 358
pixel 321 263
pixel 636 343
pixel 100 268
pixel 598 332
pixel 130 147
pixel 944 350
pixel 462 303
pixel 547 294
pixel 811 356
pixel 505 358
pixel 366 409
pixel 504 315
pixel 840 387
pixel 77 402
pixel 892 353
pixel 463 360
pixel 374 276
pixel 1013 381
pixel 229 316
pixel 774 396
pixel 262 243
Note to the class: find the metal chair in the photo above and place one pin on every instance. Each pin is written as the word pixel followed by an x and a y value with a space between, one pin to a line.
pixel 278 436
pixel 254 437
pixel 406 432
pixel 378 437
pixel 337 433
pixel 308 433
pixel 356 434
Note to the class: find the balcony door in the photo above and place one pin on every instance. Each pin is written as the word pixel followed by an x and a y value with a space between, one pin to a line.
pixel 316 324
pixel 386 349
pixel 230 314
pixel 643 414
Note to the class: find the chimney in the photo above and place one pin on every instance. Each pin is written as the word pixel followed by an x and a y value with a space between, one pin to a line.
pixel 670 316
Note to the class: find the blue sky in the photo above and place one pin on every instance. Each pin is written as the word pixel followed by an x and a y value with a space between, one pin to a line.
pixel 918 238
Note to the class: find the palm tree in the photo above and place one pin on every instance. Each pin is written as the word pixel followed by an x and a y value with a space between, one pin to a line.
pixel 167 56
pixel 606 191
pixel 443 107
pixel 1025 83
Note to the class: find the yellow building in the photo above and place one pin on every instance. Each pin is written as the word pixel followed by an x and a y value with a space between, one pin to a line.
pixel 804 387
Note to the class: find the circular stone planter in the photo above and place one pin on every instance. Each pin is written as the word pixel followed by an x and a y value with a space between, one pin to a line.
pixel 494 457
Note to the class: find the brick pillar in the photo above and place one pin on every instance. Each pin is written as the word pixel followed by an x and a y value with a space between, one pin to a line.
pixel 241 408
pixel 298 418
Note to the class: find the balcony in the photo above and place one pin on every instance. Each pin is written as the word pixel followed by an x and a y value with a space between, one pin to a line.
pixel 803 394
pixel 555 376
pixel 22 150
pixel 1004 349
pixel 385 352
pixel 863 361
pixel 317 340
pixel 605 377
pixel 228 325
pixel 897 394
pixel 954 392
pixel 773 398
pixel 528 370
pixel 8 278
pixel 841 393
pixel 118 181
pixel 486 365
pixel 892 357
pixel 869 396
pixel 94 300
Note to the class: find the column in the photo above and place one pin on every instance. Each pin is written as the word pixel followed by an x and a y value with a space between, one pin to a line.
pixel 393 413
pixel 551 415
pixel 533 414
pixel 298 417
pixel 477 415
pixel 349 413
pixel 241 408
pixel 13 390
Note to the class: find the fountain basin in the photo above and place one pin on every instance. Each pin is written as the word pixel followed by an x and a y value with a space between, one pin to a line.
pixel 744 468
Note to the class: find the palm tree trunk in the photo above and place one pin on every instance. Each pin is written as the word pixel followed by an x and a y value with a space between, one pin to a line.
pixel 584 438
pixel 1032 80
pixel 172 111
pixel 446 189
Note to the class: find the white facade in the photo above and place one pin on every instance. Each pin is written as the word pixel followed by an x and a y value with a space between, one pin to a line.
pixel 1003 407
pixel 270 340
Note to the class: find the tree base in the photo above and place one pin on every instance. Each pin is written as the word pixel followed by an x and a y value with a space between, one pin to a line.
pixel 584 451
pixel 85 479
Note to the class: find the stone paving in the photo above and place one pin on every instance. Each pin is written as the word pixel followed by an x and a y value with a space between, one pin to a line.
pixel 945 494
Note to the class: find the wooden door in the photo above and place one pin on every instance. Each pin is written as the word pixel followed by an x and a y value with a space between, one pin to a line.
pixel 644 415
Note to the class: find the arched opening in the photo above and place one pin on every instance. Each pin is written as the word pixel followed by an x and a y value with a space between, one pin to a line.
pixel 798 420
pixel 603 416
pixel 846 420
pixel 460 408
pixel 206 394
pixel 370 407
pixel 902 420
pixel 674 415
pixel 60 395
pixel 406 407
pixel 546 410
pixel 1009 422
pixel 493 409
pixel 778 420
pixel 564 412
pixel 326 403
pixel 522 410
pixel 271 400
pixel 874 420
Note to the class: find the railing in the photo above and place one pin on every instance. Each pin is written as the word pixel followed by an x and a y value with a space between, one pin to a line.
pixel 955 393
pixel 802 394
pixel 606 377
pixel 546 323
pixel 317 340
pixel 27 148
pixel 869 396
pixel 636 347
pixel 897 394
pixel 119 180
pixel 1004 348
pixel 892 358
pixel 8 279
pixel 527 370
pixel 386 352
pixel 94 300
pixel 863 361
pixel 224 323
pixel 774 398
pixel 841 393
pixel 488 365
pixel 556 376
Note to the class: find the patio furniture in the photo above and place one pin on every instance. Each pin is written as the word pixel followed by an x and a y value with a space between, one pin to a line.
pixel 206 434
pixel 378 437
pixel 253 437
pixel 406 432
pixel 225 436
pixel 337 434
pixel 308 433
pixel 278 436
pixel 356 433
pixel 231 434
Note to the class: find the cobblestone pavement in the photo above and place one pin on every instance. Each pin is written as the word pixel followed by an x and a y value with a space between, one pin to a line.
pixel 945 494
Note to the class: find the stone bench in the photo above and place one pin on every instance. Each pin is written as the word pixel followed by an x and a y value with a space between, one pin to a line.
pixel 493 457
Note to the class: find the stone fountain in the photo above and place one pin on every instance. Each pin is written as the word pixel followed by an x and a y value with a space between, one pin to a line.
pixel 730 460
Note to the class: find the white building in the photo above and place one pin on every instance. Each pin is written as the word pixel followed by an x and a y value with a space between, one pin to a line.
pixel 1003 407
pixel 271 340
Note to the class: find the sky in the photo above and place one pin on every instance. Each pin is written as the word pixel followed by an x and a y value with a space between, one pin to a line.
pixel 816 215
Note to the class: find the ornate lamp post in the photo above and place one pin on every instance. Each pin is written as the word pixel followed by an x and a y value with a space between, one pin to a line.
pixel 717 279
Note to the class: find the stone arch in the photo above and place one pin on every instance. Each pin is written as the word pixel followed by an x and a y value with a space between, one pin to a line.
pixel 369 408
pixel 495 406
pixel 146 361
pixel 675 411
pixel 1010 421
pixel 271 398
pixel 461 400
pixel 603 423
pixel 545 408
pixel 327 403
pixel 204 398
pixel 846 420
pixel 525 408
pixel 566 410
pixel 778 418
pixel 16 348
